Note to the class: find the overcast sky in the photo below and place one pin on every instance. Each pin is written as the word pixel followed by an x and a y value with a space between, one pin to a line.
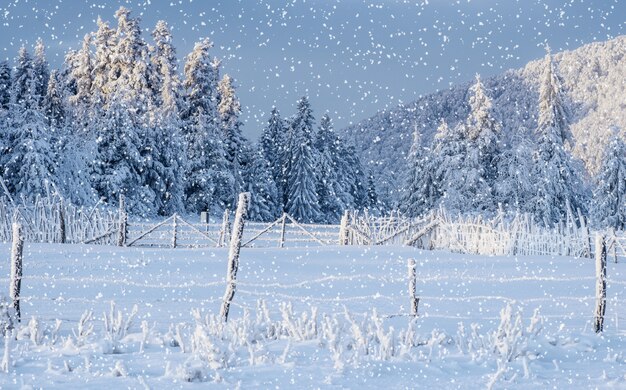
pixel 351 57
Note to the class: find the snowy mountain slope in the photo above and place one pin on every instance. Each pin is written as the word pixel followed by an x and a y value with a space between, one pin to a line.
pixel 594 77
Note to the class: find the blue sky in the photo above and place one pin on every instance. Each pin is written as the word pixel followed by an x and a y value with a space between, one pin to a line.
pixel 351 57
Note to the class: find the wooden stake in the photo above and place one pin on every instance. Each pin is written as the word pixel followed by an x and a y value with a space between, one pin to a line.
pixel 281 242
pixel 123 223
pixel 233 253
pixel 413 299
pixel 598 322
pixel 174 230
pixel 17 250
pixel 343 229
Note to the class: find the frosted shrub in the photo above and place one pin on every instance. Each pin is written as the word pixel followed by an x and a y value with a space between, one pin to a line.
pixel 116 327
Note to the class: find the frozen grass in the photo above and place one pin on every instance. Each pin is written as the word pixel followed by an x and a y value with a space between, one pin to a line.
pixel 309 317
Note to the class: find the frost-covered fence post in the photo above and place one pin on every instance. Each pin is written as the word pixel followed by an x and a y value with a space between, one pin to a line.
pixel 598 322
pixel 586 234
pixel 233 253
pixel 174 230
pixel 281 242
pixel 62 230
pixel 613 245
pixel 343 229
pixel 123 223
pixel 414 300
pixel 225 228
pixel 17 250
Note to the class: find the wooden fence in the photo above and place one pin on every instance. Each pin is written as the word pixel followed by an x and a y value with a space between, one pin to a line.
pixel 51 220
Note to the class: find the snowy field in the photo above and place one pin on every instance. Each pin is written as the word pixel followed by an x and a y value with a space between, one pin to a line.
pixel 332 317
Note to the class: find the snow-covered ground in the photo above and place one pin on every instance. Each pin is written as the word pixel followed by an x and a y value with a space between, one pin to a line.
pixel 332 317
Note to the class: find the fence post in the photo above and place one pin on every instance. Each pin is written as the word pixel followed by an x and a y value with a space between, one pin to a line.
pixel 62 231
pixel 414 300
pixel 343 229
pixel 586 234
pixel 17 250
pixel 123 223
pixel 598 322
pixel 174 230
pixel 233 253
pixel 281 243
pixel 614 245
pixel 225 228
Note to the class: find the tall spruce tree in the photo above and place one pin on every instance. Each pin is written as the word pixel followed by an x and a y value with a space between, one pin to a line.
pixel 420 191
pixel 235 145
pixel 558 185
pixel 209 182
pixel 450 149
pixel 41 71
pixel 333 182
pixel 609 196
pixel 515 184
pixel 169 162
pixel 29 164
pixel 273 144
pixel 264 202
pixel 302 202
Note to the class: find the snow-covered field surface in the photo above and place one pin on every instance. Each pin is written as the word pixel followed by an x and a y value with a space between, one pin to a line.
pixel 330 317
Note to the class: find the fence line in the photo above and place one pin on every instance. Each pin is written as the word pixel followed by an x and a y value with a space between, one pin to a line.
pixel 51 220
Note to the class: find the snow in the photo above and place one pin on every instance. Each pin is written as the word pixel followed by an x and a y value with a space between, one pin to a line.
pixel 467 335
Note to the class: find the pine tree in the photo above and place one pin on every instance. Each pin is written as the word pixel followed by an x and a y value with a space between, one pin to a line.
pixel 167 143
pixel 209 183
pixel 41 71
pixel 420 192
pixel 558 185
pixel 333 186
pixel 448 161
pixel 29 165
pixel 118 161
pixel 515 184
pixel 273 144
pixel 264 206
pixel 237 150
pixel 5 86
pixel 80 69
pixel 302 202
pixel 609 196
pixel 479 168
pixel 23 79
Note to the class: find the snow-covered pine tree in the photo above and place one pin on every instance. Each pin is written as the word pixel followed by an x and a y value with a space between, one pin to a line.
pixel 273 142
pixel 515 185
pixel 420 191
pixel 105 42
pixel 557 182
pixel 167 144
pixel 264 202
pixel 118 160
pixel 235 145
pixel 5 86
pixel 479 168
pixel 29 165
pixel 41 70
pixel 449 154
pixel 77 141
pixel 609 196
pixel 302 203
pixel 22 79
pixel 333 186
pixel 354 177
pixel 209 182
pixel 79 74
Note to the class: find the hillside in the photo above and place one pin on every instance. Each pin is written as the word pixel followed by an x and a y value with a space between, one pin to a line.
pixel 594 77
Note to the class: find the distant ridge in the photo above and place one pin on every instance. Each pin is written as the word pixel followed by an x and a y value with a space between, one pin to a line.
pixel 594 77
